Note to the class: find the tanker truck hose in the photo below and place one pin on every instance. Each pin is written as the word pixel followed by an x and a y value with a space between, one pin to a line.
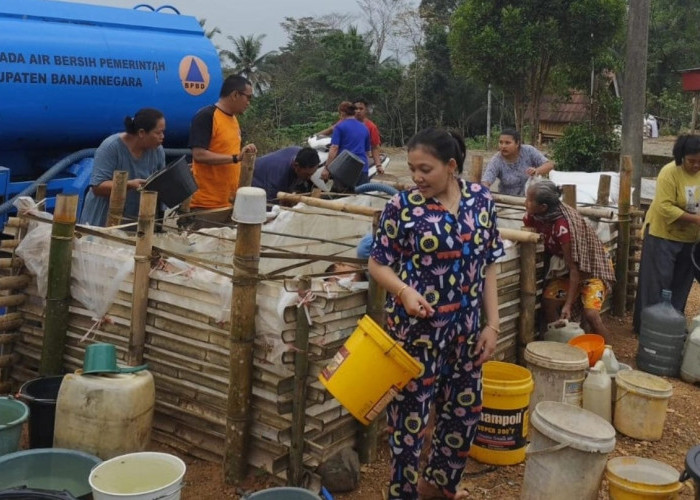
pixel 376 186
pixel 48 175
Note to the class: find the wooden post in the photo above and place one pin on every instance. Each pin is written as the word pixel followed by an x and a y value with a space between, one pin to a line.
pixel 247 166
pixel 367 435
pixel 246 259
pixel 58 289
pixel 603 190
pixel 527 326
pixel 696 103
pixel 117 198
pixel 301 371
pixel 623 237
pixel 40 193
pixel 142 267
pixel 477 169
pixel 569 194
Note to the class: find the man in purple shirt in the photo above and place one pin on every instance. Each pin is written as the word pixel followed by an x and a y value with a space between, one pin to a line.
pixel 287 170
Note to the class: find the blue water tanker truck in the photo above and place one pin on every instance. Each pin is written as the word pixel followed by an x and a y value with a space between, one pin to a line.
pixel 70 73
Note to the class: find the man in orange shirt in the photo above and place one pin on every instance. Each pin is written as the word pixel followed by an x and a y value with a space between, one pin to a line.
pixel 215 139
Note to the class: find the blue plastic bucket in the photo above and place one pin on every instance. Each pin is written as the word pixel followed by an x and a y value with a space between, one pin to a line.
pixel 13 413
pixel 53 469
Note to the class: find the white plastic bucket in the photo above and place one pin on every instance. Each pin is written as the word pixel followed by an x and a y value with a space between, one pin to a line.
pixel 558 371
pixel 567 453
pixel 640 404
pixel 138 476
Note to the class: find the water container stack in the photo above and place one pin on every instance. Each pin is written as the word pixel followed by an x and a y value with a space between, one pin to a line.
pixel 661 338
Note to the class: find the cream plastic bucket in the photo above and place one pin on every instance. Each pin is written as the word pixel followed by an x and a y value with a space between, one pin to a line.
pixel 558 371
pixel 138 476
pixel 640 404
pixel 567 453
pixel 636 478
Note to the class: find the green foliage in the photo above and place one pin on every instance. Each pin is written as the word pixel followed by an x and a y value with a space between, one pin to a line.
pixel 673 108
pixel 581 148
pixel 516 44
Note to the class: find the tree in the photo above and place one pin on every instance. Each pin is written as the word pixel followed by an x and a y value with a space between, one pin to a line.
pixel 516 45
pixel 381 16
pixel 248 61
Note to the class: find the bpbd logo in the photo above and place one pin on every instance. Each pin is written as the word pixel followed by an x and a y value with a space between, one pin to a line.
pixel 194 75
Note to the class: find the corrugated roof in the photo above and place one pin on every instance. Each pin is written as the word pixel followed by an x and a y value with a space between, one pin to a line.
pixel 557 109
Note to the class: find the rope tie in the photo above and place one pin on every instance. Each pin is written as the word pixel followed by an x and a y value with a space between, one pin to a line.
pixel 305 301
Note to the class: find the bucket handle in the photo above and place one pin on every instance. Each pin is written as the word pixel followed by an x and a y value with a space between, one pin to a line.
pixel 684 476
pixel 551 449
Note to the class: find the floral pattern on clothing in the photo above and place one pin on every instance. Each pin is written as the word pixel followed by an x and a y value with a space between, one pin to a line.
pixel 444 257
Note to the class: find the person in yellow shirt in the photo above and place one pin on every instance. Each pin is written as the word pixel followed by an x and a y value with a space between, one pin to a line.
pixel 215 139
pixel 671 227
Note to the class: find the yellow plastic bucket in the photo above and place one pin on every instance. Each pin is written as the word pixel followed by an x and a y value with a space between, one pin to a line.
pixel 368 371
pixel 636 478
pixel 502 432
pixel 640 404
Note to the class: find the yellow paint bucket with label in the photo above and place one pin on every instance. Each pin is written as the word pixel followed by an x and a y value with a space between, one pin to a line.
pixel 368 371
pixel 501 435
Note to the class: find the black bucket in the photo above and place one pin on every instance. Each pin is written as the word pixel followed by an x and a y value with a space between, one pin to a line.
pixel 23 493
pixel 692 469
pixel 174 184
pixel 40 395
pixel 346 168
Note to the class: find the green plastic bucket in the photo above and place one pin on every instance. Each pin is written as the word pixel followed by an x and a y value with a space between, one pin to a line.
pixel 13 413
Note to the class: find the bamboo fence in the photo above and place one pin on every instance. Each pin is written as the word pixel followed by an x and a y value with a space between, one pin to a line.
pixel 188 352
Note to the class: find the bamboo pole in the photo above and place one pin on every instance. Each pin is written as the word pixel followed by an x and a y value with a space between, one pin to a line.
pixel 10 321
pixel 142 267
pixel 11 263
pixel 58 289
pixel 330 205
pixel 40 193
pixel 623 237
pixel 527 326
pixel 247 167
pixel 9 244
pixel 14 282
pixel 301 371
pixel 246 260
pixel 12 300
pixel 20 222
pixel 596 212
pixel 569 194
pixel 367 435
pixel 117 197
pixel 603 190
pixel 477 169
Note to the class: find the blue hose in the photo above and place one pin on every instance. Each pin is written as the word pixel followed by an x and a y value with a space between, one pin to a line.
pixel 376 186
pixel 48 175
pixel 67 162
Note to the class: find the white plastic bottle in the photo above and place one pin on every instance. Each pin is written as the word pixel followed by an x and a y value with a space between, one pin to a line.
pixel 596 392
pixel 612 366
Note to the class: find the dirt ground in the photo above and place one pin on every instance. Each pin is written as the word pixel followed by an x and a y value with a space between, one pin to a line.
pixel 681 432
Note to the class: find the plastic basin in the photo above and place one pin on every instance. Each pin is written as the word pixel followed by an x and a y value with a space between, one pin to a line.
pixel 54 469
pixel 592 343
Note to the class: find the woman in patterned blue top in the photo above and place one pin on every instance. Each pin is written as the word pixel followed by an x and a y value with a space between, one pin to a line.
pixel 433 252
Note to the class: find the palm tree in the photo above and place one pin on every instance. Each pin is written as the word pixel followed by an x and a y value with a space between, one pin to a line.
pixel 248 62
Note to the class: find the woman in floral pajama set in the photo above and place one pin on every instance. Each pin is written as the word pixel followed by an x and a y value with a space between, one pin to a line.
pixel 433 252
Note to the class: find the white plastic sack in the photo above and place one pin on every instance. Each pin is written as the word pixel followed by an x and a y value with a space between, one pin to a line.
pixel 97 271
pixel 34 251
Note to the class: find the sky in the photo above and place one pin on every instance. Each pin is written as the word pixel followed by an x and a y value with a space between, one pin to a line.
pixel 252 17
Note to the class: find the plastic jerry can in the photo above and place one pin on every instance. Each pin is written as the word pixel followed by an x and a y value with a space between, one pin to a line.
pixel 596 392
pixel 562 331
pixel 690 368
pixel 107 414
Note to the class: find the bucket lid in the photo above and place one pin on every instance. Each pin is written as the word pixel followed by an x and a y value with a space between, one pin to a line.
pixel 644 383
pixel 692 464
pixel 643 470
pixel 581 429
pixel 556 355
